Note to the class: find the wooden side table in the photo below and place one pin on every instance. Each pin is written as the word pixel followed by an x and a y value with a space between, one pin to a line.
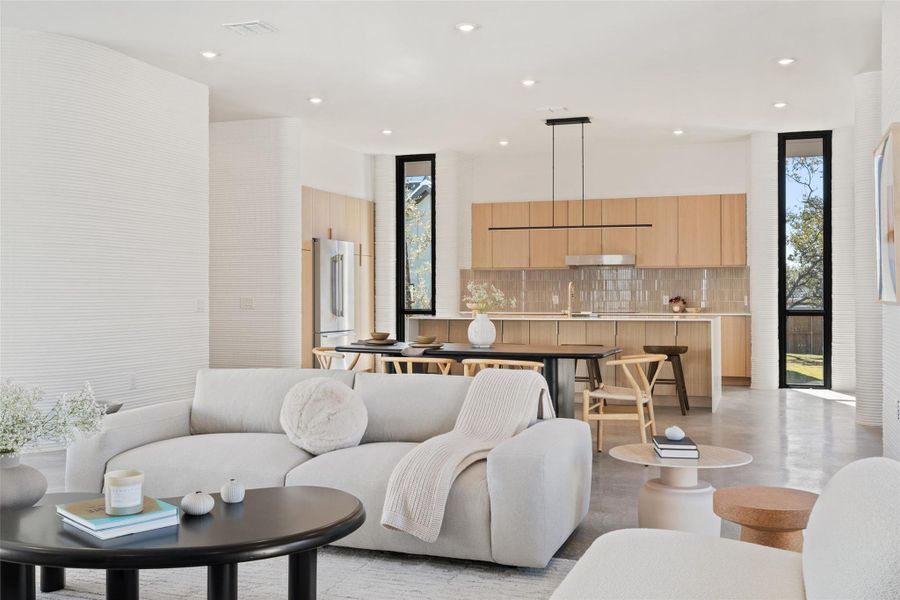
pixel 769 516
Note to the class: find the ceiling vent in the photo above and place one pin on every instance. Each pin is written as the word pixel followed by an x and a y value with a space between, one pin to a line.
pixel 551 109
pixel 250 28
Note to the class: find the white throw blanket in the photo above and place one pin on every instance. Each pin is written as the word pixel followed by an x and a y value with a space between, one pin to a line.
pixel 500 403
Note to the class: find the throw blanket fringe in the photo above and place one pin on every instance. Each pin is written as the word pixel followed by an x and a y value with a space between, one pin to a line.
pixel 500 403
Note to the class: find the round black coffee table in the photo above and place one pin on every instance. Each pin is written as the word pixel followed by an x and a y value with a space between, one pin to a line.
pixel 269 522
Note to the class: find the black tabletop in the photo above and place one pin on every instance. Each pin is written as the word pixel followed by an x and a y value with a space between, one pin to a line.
pixel 520 351
pixel 269 522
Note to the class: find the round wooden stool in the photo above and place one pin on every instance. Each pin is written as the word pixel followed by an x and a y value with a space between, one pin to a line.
pixel 769 516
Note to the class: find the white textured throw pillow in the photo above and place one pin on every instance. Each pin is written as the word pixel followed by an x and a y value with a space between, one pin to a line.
pixel 320 415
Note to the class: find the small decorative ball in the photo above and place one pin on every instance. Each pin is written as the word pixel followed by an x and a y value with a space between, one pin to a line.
pixel 674 433
pixel 232 492
pixel 198 503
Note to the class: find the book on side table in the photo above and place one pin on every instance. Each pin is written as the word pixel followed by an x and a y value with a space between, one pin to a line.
pixel 90 516
pixel 683 448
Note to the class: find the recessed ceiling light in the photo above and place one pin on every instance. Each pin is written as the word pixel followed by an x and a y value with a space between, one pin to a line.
pixel 786 61
pixel 678 132
pixel 528 82
pixel 386 131
pixel 315 100
pixel 504 142
pixel 209 54
pixel 780 104
pixel 466 27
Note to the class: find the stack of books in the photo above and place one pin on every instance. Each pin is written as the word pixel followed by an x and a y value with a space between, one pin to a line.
pixel 90 517
pixel 683 448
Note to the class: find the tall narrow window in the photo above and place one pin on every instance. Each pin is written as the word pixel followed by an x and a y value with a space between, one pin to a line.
pixel 415 237
pixel 804 198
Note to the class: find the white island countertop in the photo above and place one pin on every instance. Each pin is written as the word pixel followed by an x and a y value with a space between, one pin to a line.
pixel 701 316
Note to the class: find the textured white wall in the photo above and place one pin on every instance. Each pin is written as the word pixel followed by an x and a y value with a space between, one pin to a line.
pixel 254 247
pixel 613 170
pixel 385 243
pixel 327 166
pixel 762 254
pixel 890 113
pixel 843 263
pixel 867 131
pixel 104 222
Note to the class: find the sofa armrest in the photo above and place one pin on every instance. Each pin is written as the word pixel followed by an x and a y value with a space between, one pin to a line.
pixel 540 488
pixel 86 459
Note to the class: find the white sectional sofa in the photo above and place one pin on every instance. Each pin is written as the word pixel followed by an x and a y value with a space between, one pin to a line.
pixel 851 552
pixel 515 508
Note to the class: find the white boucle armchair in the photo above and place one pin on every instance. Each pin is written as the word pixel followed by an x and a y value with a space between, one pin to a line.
pixel 851 551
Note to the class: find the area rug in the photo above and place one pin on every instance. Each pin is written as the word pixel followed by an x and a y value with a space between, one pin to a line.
pixel 344 574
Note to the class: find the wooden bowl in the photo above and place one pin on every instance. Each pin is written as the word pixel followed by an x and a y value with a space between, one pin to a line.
pixel 379 335
pixel 425 339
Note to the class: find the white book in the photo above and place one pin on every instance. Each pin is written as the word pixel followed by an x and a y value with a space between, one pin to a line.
pixel 108 534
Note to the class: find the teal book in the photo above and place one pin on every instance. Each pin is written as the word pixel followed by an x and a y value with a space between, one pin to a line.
pixel 92 513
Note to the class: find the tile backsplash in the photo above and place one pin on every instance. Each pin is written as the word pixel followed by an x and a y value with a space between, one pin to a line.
pixel 618 289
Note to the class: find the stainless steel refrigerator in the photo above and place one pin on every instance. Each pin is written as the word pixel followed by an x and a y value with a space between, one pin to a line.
pixel 334 296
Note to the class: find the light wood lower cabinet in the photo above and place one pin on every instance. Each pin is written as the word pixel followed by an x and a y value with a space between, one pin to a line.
pixel 735 346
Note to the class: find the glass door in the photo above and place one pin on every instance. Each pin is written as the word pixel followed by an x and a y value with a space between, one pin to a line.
pixel 804 227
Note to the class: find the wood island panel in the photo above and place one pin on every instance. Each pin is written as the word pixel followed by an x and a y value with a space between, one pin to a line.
pixel 662 334
pixel 515 332
pixel 543 332
pixel 697 361
pixel 630 337
pixel 459 331
pixel 572 332
pixel 439 328
pixel 735 346
pixel 602 333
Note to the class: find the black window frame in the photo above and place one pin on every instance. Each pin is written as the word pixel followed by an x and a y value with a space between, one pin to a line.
pixel 825 311
pixel 401 311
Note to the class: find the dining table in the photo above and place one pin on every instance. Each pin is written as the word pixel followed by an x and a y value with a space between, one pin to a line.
pixel 559 362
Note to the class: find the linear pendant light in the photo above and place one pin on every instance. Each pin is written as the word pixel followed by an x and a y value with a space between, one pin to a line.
pixel 552 123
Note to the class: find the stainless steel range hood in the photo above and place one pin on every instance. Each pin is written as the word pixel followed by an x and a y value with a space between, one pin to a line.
pixel 601 260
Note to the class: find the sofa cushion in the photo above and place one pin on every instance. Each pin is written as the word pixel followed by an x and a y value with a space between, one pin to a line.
pixel 656 563
pixel 247 400
pixel 410 408
pixel 180 465
pixel 322 414
pixel 364 471
pixel 851 546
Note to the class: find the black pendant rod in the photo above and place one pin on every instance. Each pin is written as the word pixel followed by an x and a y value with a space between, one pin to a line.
pixel 553 176
pixel 582 175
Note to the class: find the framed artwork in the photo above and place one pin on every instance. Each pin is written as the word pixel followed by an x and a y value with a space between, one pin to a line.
pixel 887 215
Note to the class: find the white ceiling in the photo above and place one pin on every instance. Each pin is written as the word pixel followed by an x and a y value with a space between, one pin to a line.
pixel 639 69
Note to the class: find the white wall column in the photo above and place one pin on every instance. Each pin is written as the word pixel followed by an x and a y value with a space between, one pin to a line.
pixel 843 263
pixel 867 130
pixel 890 113
pixel 385 243
pixel 762 251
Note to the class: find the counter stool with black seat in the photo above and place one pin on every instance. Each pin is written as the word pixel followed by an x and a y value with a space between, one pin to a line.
pixel 673 355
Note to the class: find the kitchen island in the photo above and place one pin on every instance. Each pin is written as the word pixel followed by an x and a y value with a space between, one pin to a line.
pixel 701 333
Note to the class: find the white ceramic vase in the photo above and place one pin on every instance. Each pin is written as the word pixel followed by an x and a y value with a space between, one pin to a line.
pixel 20 485
pixel 198 503
pixel 482 332
pixel 232 492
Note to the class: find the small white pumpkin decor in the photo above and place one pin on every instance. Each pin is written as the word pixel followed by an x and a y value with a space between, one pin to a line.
pixel 232 491
pixel 674 433
pixel 198 503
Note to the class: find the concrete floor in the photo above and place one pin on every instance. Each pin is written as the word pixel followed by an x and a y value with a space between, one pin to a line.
pixel 796 439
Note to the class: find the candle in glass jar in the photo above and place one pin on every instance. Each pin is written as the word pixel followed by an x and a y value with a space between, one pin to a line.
pixel 124 492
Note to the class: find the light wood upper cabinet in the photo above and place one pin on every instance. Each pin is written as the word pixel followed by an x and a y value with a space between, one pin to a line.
pixel 699 231
pixel 481 237
pixel 547 249
pixel 619 211
pixel 509 249
pixel 657 246
pixel 734 229
pixel 585 241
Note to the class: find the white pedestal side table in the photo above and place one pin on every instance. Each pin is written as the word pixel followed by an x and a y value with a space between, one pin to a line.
pixel 677 499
